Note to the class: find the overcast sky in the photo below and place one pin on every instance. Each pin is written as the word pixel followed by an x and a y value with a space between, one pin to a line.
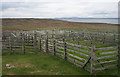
pixel 60 8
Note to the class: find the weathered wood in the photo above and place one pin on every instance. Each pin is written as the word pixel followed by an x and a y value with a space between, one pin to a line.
pixel 70 60
pixel 106 67
pixel 46 45
pixel 87 69
pixel 92 59
pixel 80 46
pixel 65 50
pixel 60 51
pixel 23 44
pixel 106 62
pixel 78 53
pixel 59 55
pixel 16 49
pixel 54 47
pixel 60 44
pixel 59 47
pixel 105 57
pixel 35 41
pixel 78 49
pixel 40 44
pixel 103 53
pixel 79 62
pixel 76 57
pixel 10 45
pixel 106 48
pixel 59 41
pixel 119 57
pixel 77 65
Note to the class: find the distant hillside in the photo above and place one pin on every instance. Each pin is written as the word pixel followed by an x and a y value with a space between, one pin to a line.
pixel 30 24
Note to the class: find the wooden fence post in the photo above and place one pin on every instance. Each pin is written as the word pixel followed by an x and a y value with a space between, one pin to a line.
pixel 10 45
pixel 35 41
pixel 119 58
pixel 69 34
pixel 46 44
pixel 104 38
pixel 92 58
pixel 40 44
pixel 64 48
pixel 54 47
pixel 78 40
pixel 23 45
pixel 114 38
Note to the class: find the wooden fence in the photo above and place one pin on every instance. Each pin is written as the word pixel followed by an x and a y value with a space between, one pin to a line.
pixel 89 58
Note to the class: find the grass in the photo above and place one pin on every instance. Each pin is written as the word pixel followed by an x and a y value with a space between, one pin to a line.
pixel 44 64
pixel 39 64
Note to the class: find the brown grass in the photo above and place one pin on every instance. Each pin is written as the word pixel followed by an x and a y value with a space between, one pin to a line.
pixel 40 24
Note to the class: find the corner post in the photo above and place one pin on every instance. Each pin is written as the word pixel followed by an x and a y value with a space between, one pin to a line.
pixel 92 58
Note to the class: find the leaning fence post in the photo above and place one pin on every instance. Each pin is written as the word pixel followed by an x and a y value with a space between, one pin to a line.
pixel 10 45
pixel 92 58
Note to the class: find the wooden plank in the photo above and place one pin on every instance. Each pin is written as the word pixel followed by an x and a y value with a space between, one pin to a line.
pixel 70 60
pixel 87 69
pixel 78 49
pixel 80 46
pixel 59 47
pixel 59 44
pixel 106 48
pixel 16 46
pixel 77 65
pixel 29 47
pixel 28 43
pixel 59 41
pixel 79 62
pixel 107 57
pixel 106 62
pixel 106 67
pixel 103 53
pixel 16 49
pixel 60 51
pixel 76 57
pixel 59 55
pixel 50 47
pixel 78 53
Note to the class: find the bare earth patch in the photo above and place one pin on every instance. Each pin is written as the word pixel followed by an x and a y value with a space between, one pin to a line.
pixel 11 74
pixel 24 65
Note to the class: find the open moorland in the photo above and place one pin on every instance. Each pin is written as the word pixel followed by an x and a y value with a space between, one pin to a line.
pixel 42 24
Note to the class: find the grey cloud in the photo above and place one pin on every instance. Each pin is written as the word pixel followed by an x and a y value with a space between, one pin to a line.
pixel 59 9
